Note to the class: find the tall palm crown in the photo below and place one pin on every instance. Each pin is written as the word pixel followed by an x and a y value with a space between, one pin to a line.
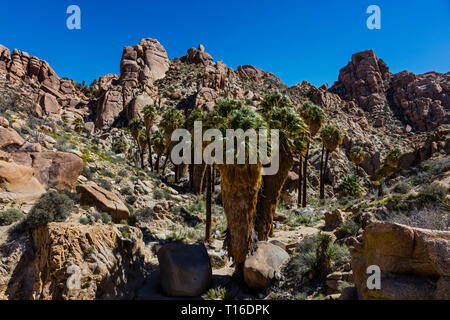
pixel 331 138
pixel 357 155
pixel 280 114
pixel 172 119
pixel 158 141
pixel 314 117
pixel 393 157
pixel 142 138
pixel 150 116
pixel 135 127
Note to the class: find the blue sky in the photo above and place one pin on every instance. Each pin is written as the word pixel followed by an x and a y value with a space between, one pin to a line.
pixel 296 40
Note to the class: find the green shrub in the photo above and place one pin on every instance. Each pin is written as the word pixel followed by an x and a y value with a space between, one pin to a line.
pixel 10 216
pixel 120 146
pixel 318 255
pixel 105 184
pixel 158 194
pixel 144 214
pixel 349 228
pixel 350 187
pixel 131 199
pixel 53 206
pixel 402 188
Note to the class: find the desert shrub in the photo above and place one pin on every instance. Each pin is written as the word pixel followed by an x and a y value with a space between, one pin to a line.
pixel 349 228
pixel 144 214
pixel 120 146
pixel 350 186
pixel 126 191
pixel 10 216
pixel 216 294
pixel 64 144
pixel 432 216
pixel 106 218
pixel 158 194
pixel 87 220
pixel 123 173
pixel 53 206
pixel 318 255
pixel 294 219
pixel 402 188
pixel 132 220
pixel 107 173
pixel 105 184
pixel 432 192
pixel 131 199
pixel 88 172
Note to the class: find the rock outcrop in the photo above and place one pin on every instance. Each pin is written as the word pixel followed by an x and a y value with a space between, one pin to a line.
pixel 57 170
pixel 423 101
pixel 105 201
pixel 18 183
pixel 72 261
pixel 414 263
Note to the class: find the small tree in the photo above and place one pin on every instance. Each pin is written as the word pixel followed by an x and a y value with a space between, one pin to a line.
pixel 357 156
pixel 331 138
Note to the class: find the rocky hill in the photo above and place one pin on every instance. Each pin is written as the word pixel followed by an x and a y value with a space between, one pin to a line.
pixel 120 217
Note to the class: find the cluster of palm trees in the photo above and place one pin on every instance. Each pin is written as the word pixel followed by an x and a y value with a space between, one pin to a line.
pixel 249 199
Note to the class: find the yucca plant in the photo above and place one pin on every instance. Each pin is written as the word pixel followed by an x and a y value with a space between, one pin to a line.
pixel 331 139
pixel 315 118
pixel 150 116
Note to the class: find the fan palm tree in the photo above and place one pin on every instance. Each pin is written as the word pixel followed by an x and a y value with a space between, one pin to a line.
pixel 142 144
pixel 135 127
pixel 150 116
pixel 159 145
pixel 240 183
pixel 315 118
pixel 357 156
pixel 172 120
pixel 331 138
pixel 279 114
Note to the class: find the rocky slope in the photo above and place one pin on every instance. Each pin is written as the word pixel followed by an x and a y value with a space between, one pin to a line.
pixel 56 134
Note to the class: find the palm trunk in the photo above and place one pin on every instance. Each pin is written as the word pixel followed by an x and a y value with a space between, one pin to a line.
pixel 198 176
pixel 150 158
pixel 165 162
pixel 300 182
pixel 269 195
pixel 208 205
pixel 240 186
pixel 158 159
pixel 324 171
pixel 305 177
